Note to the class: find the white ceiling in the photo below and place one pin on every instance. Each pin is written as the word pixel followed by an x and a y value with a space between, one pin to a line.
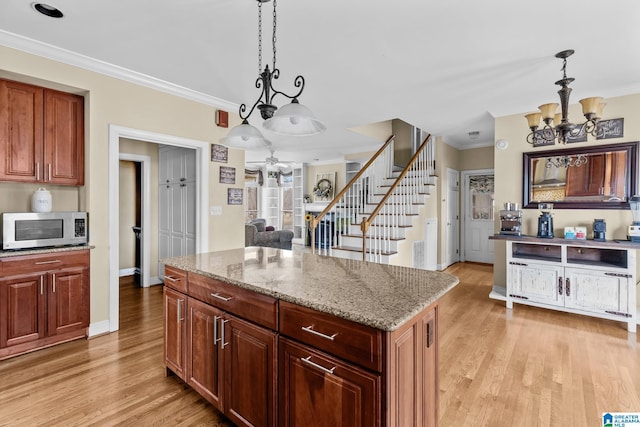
pixel 447 67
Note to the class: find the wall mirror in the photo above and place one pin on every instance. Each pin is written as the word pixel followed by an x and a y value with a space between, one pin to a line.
pixel 598 177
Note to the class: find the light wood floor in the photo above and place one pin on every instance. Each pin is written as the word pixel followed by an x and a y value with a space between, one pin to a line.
pixel 528 367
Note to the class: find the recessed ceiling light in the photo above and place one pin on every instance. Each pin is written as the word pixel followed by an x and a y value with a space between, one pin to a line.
pixel 47 10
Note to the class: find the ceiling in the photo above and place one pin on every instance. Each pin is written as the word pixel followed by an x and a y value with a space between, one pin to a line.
pixel 448 67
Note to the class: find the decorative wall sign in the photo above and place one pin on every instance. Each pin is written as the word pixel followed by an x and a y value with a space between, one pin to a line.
pixel 234 196
pixel 227 175
pixel 219 153
pixel 613 128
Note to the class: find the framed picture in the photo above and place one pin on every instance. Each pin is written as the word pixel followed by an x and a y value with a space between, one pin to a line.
pixel 234 196
pixel 219 153
pixel 613 128
pixel 227 175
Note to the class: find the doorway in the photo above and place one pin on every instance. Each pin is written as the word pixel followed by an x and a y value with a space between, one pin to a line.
pixel 202 202
pixel 478 219
pixel 139 216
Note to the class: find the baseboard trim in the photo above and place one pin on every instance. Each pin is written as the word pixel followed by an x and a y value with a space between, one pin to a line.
pixel 155 280
pixel 127 272
pixel 99 328
pixel 498 293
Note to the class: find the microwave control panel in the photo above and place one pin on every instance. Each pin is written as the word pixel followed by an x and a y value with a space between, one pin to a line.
pixel 80 227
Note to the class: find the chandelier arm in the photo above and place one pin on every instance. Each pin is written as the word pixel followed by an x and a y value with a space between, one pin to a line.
pixel 298 82
pixel 243 107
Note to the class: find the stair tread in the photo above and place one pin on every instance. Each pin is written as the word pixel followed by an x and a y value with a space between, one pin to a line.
pixel 376 225
pixel 377 238
pixel 355 249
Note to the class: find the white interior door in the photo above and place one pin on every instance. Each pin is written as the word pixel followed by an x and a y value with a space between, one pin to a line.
pixel 478 208
pixel 453 215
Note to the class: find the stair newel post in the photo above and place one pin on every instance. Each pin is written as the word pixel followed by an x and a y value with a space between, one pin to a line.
pixel 313 223
pixel 364 227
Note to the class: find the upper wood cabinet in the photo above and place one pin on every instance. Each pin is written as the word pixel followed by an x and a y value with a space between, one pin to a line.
pixel 41 135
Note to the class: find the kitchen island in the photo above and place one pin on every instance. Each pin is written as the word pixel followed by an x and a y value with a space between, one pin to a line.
pixel 276 337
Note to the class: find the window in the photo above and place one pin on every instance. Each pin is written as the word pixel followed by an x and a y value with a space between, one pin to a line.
pixel 252 198
pixel 286 200
pixel 481 189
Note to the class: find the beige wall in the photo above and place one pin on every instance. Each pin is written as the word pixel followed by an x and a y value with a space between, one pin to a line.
pixel 109 101
pixel 476 158
pixel 402 150
pixel 508 169
pixel 16 197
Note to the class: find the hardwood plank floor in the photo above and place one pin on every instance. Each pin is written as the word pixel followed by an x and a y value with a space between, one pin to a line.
pixel 498 367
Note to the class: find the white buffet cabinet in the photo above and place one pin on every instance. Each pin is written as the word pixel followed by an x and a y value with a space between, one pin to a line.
pixel 577 276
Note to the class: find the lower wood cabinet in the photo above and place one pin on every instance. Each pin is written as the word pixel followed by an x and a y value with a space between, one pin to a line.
pixel 317 389
pixel 44 300
pixel 264 362
pixel 231 362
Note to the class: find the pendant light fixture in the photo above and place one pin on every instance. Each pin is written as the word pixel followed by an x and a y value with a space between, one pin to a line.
pixel 291 119
pixel 563 130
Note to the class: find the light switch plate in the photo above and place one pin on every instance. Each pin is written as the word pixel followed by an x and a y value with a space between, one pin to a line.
pixel 215 210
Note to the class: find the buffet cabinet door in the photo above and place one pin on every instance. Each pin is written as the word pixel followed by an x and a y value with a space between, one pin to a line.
pixel 319 390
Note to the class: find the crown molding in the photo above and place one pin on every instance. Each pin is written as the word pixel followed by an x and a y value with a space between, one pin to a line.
pixel 68 57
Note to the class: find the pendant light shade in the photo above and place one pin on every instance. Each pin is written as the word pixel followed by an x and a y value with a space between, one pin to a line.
pixel 244 136
pixel 294 119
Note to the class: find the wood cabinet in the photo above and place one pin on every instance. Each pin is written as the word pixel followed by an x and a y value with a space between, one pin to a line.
pixel 268 362
pixel 44 300
pixel 41 135
pixel 581 278
pixel 230 361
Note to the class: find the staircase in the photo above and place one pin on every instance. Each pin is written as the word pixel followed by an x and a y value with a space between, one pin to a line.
pixel 373 213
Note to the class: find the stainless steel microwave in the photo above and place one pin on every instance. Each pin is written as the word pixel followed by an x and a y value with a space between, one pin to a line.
pixel 27 230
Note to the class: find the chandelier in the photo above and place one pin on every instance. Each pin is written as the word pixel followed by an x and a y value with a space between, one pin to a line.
pixel 291 119
pixel 566 161
pixel 563 130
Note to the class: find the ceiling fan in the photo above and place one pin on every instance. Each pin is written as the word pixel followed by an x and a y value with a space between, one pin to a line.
pixel 271 160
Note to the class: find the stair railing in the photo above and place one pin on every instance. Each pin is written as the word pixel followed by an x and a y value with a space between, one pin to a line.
pixel 350 202
pixel 395 207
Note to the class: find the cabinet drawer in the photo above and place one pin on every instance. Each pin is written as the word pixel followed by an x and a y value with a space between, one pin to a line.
pixel 348 340
pixel 12 266
pixel 257 308
pixel 175 278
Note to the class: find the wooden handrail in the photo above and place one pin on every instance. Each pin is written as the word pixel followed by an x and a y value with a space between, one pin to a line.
pixel 366 222
pixel 315 221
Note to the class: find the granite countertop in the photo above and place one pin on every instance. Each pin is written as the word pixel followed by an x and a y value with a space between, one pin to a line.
pixel 616 244
pixel 21 252
pixel 377 295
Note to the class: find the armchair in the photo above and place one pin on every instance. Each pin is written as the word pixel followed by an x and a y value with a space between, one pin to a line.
pixel 255 234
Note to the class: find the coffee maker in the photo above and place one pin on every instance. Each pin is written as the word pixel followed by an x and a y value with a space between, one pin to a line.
pixel 545 221
pixel 511 220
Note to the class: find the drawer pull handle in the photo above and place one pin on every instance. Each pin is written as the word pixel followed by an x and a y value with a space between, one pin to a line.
pixel 308 361
pixel 215 330
pixel 171 279
pixel 320 334
pixel 220 297
pixel 55 261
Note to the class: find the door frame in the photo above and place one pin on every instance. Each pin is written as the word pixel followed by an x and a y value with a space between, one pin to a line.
pixel 465 201
pixel 145 191
pixel 449 239
pixel 202 189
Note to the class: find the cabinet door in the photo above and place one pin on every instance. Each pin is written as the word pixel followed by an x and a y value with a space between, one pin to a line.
pixel 21 136
pixel 250 360
pixel 598 291
pixel 175 332
pixel 536 283
pixel 322 391
pixel 63 138
pixel 68 301
pixel 22 309
pixel 204 367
